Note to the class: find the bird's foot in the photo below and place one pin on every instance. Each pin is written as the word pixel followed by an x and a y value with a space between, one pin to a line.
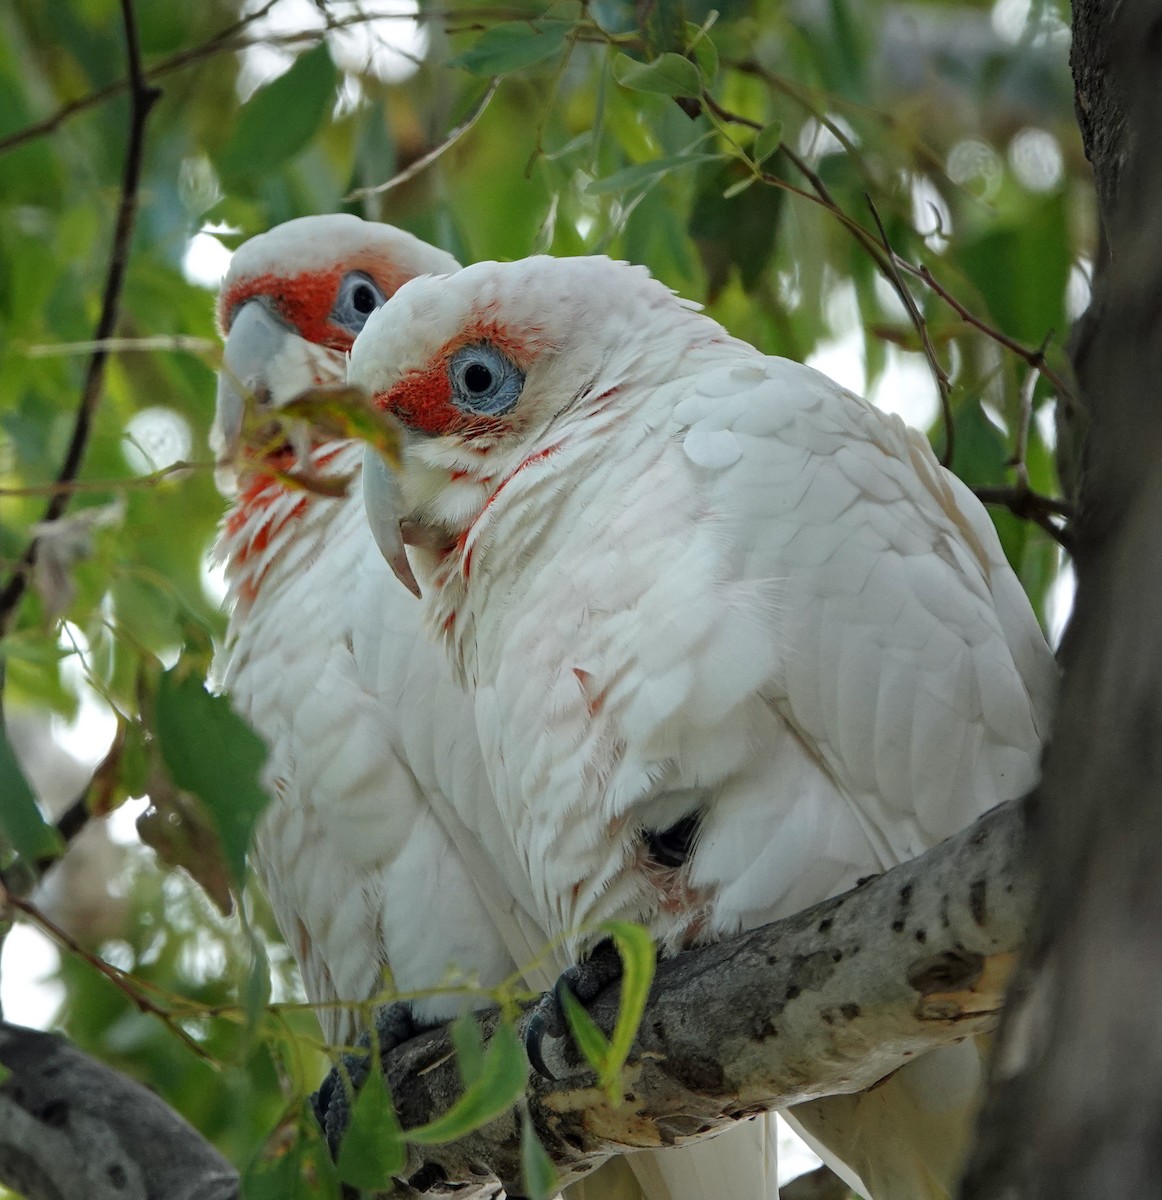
pixel 394 1025
pixel 584 980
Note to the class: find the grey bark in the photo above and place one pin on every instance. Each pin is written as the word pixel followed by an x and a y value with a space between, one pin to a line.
pixel 1076 1105
pixel 71 1128
pixel 827 1001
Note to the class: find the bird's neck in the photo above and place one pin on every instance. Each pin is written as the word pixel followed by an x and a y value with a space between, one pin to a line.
pixel 282 512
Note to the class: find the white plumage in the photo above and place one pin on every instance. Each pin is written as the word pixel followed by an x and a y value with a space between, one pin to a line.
pixel 681 578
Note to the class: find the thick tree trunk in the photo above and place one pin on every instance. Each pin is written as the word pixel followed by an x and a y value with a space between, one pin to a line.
pixel 1076 1106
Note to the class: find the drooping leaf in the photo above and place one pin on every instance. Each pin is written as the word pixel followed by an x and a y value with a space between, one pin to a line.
pixel 21 822
pixel 607 1056
pixel 668 75
pixel 213 753
pixel 648 172
pixel 513 45
pixel 296 1167
pixel 767 141
pixel 704 50
pixel 592 1043
pixel 282 117
pixel 346 412
pixel 638 960
pixel 500 1083
pixel 469 1048
pixel 538 1174
pixel 373 1147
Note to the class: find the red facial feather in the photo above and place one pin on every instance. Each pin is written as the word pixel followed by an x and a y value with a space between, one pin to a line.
pixel 423 399
pixel 303 301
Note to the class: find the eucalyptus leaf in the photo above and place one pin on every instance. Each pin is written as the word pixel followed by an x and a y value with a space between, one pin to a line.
pixel 500 1084
pixel 514 45
pixel 282 117
pixel 21 822
pixel 373 1148
pixel 668 75
pixel 213 753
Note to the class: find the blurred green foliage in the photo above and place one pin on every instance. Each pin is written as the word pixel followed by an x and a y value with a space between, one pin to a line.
pixel 954 119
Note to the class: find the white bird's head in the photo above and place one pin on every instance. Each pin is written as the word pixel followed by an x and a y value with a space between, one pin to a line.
pixel 501 349
pixel 485 368
pixel 294 300
pixel 290 307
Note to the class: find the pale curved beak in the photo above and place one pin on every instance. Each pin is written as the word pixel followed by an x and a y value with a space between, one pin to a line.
pixel 383 502
pixel 264 362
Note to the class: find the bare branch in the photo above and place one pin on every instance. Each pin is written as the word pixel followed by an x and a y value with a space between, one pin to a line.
pixel 827 1001
pixel 142 99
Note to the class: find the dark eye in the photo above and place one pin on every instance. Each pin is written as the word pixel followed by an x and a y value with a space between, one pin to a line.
pixel 358 298
pixel 477 378
pixel 485 380
pixel 364 299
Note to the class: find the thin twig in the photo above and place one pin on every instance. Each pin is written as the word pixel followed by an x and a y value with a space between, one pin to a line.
pixel 108 485
pixel 179 343
pixel 218 43
pixel 132 989
pixel 939 374
pixel 226 41
pixel 1024 420
pixel 426 160
pixel 823 198
pixel 1035 358
pixel 1023 502
pixel 142 99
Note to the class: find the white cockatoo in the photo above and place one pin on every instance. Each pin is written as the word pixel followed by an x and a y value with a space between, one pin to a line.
pixel 382 846
pixel 361 853
pixel 734 638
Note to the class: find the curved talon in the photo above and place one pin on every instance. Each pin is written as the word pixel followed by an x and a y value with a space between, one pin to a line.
pixel 535 1032
pixel 584 981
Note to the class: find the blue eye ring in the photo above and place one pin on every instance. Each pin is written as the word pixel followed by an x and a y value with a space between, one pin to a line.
pixel 484 380
pixel 358 297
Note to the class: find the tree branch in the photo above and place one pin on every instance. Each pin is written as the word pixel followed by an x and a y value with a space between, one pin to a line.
pixel 827 1001
pixel 70 1126
pixel 142 97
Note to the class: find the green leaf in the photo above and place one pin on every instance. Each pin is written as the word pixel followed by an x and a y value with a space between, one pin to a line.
pixel 20 819
pixel 648 172
pixel 513 45
pixel 302 1171
pixel 282 117
pixel 767 141
pixel 668 75
pixel 638 960
pixel 1018 266
pixel 469 1048
pixel 592 1043
pixel 373 1147
pixel 704 50
pixel 739 186
pixel 537 1171
pixel 213 753
pixel 501 1082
